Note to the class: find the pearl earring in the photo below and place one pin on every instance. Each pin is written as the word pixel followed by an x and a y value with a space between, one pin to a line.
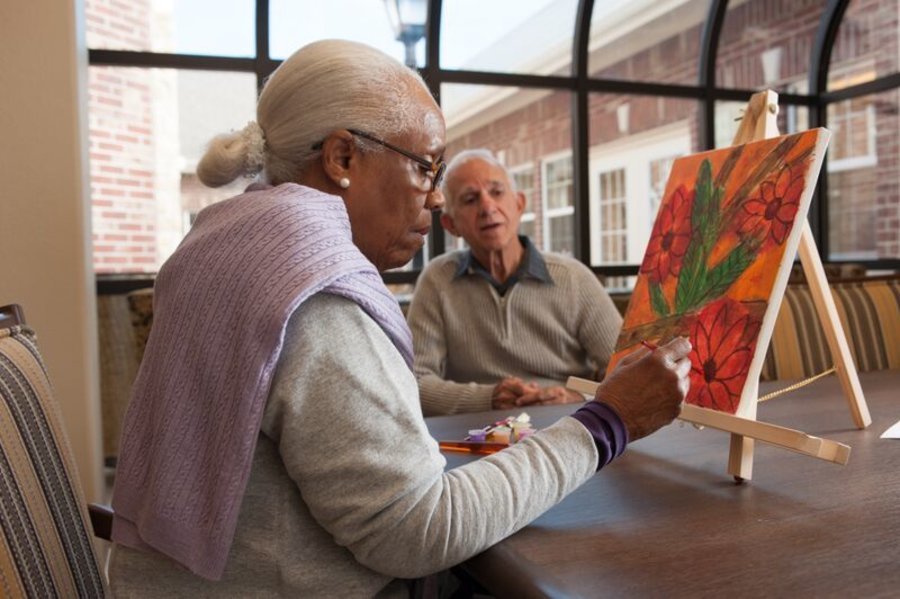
pixel 344 182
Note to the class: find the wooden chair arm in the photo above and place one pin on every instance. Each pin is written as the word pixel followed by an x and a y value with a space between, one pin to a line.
pixel 101 520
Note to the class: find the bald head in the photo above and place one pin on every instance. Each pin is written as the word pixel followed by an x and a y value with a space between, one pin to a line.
pixel 449 186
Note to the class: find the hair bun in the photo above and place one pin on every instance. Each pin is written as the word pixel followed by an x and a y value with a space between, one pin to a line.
pixel 255 144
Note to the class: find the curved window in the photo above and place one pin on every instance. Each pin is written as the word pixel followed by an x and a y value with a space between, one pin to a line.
pixel 589 146
pixel 767 44
pixel 867 46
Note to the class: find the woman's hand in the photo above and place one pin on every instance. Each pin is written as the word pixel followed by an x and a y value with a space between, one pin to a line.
pixel 646 388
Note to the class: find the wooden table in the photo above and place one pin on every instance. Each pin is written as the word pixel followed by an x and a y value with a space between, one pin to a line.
pixel 666 520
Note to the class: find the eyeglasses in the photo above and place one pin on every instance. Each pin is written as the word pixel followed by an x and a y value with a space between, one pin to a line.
pixel 433 169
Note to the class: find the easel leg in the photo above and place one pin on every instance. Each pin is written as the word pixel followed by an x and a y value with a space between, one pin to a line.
pixel 740 458
pixel 831 326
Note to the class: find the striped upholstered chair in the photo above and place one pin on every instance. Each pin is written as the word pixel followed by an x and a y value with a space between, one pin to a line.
pixel 869 310
pixel 46 547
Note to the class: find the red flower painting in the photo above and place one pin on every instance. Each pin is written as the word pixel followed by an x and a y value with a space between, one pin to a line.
pixel 670 237
pixel 770 215
pixel 724 337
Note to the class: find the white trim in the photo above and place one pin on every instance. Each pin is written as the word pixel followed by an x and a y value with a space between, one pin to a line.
pixel 634 154
pixel 870 158
pixel 528 215
pixel 548 213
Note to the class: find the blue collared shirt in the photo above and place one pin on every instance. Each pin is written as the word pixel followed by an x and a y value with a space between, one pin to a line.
pixel 531 266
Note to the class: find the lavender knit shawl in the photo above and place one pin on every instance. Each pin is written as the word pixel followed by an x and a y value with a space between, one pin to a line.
pixel 221 304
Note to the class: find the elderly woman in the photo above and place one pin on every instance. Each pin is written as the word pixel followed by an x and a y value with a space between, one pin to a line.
pixel 274 444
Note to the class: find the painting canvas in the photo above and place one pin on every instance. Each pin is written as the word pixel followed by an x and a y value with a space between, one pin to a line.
pixel 718 259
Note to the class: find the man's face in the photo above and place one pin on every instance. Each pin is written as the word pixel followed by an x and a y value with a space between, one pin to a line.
pixel 484 210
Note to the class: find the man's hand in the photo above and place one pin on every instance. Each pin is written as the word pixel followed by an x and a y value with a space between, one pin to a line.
pixel 513 392
pixel 559 395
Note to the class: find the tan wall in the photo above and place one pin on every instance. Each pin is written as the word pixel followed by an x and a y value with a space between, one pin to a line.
pixel 44 211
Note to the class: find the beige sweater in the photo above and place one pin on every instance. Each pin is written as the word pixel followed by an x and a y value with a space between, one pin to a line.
pixel 467 337
pixel 348 490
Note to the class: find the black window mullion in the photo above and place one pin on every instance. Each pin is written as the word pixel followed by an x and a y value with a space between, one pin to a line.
pixel 581 183
pixel 709 49
pixel 437 241
pixel 132 58
pixel 820 59
pixel 264 63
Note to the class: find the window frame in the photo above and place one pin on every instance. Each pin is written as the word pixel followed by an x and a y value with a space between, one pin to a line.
pixel 529 214
pixel 581 85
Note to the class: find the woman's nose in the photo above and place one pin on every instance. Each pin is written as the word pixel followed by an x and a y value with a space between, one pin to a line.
pixel 435 200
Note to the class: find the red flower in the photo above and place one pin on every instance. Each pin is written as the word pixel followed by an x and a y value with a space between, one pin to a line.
pixel 724 336
pixel 771 214
pixel 670 237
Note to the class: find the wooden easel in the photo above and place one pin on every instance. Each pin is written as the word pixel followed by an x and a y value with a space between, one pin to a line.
pixel 759 123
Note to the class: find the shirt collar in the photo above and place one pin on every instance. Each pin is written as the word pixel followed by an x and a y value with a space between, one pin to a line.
pixel 532 266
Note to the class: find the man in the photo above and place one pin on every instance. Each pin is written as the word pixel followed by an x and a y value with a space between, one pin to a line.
pixel 501 325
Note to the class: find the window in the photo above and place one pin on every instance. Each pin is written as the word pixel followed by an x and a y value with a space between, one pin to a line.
pixel 504 75
pixel 852 124
pixel 523 179
pixel 863 178
pixel 659 175
pixel 765 44
pixel 558 207
pixel 647 42
pixel 147 130
pixel 613 217
pixel 506 36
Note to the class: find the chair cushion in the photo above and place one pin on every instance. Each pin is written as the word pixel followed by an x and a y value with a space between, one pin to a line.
pixel 45 546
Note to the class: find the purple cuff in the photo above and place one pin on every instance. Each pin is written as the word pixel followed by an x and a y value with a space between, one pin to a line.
pixel 606 428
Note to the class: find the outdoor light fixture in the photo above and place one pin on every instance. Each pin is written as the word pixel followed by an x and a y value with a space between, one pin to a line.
pixel 408 21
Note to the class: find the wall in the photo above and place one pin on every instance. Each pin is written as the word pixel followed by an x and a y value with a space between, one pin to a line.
pixel 44 210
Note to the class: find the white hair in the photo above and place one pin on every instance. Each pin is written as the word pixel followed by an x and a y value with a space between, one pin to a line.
pixel 461 159
pixel 323 87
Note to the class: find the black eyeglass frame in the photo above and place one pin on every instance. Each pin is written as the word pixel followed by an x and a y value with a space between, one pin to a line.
pixel 435 169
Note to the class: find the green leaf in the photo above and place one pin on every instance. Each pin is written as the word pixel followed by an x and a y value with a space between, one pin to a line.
pixel 723 274
pixel 690 279
pixel 658 300
pixel 703 197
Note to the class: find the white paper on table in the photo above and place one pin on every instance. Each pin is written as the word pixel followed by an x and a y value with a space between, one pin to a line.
pixel 892 433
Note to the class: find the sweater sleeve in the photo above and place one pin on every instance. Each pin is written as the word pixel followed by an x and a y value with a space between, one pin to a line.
pixel 600 321
pixel 345 415
pixel 438 395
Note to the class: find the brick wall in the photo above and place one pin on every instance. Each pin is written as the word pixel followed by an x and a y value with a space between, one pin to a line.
pixel 121 141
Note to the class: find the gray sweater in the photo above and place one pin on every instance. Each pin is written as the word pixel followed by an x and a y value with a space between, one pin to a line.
pixel 467 337
pixel 348 491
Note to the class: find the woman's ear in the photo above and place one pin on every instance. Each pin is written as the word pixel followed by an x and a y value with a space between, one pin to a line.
pixel 338 153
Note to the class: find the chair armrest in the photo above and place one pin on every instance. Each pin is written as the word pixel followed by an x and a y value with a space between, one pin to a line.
pixel 101 520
